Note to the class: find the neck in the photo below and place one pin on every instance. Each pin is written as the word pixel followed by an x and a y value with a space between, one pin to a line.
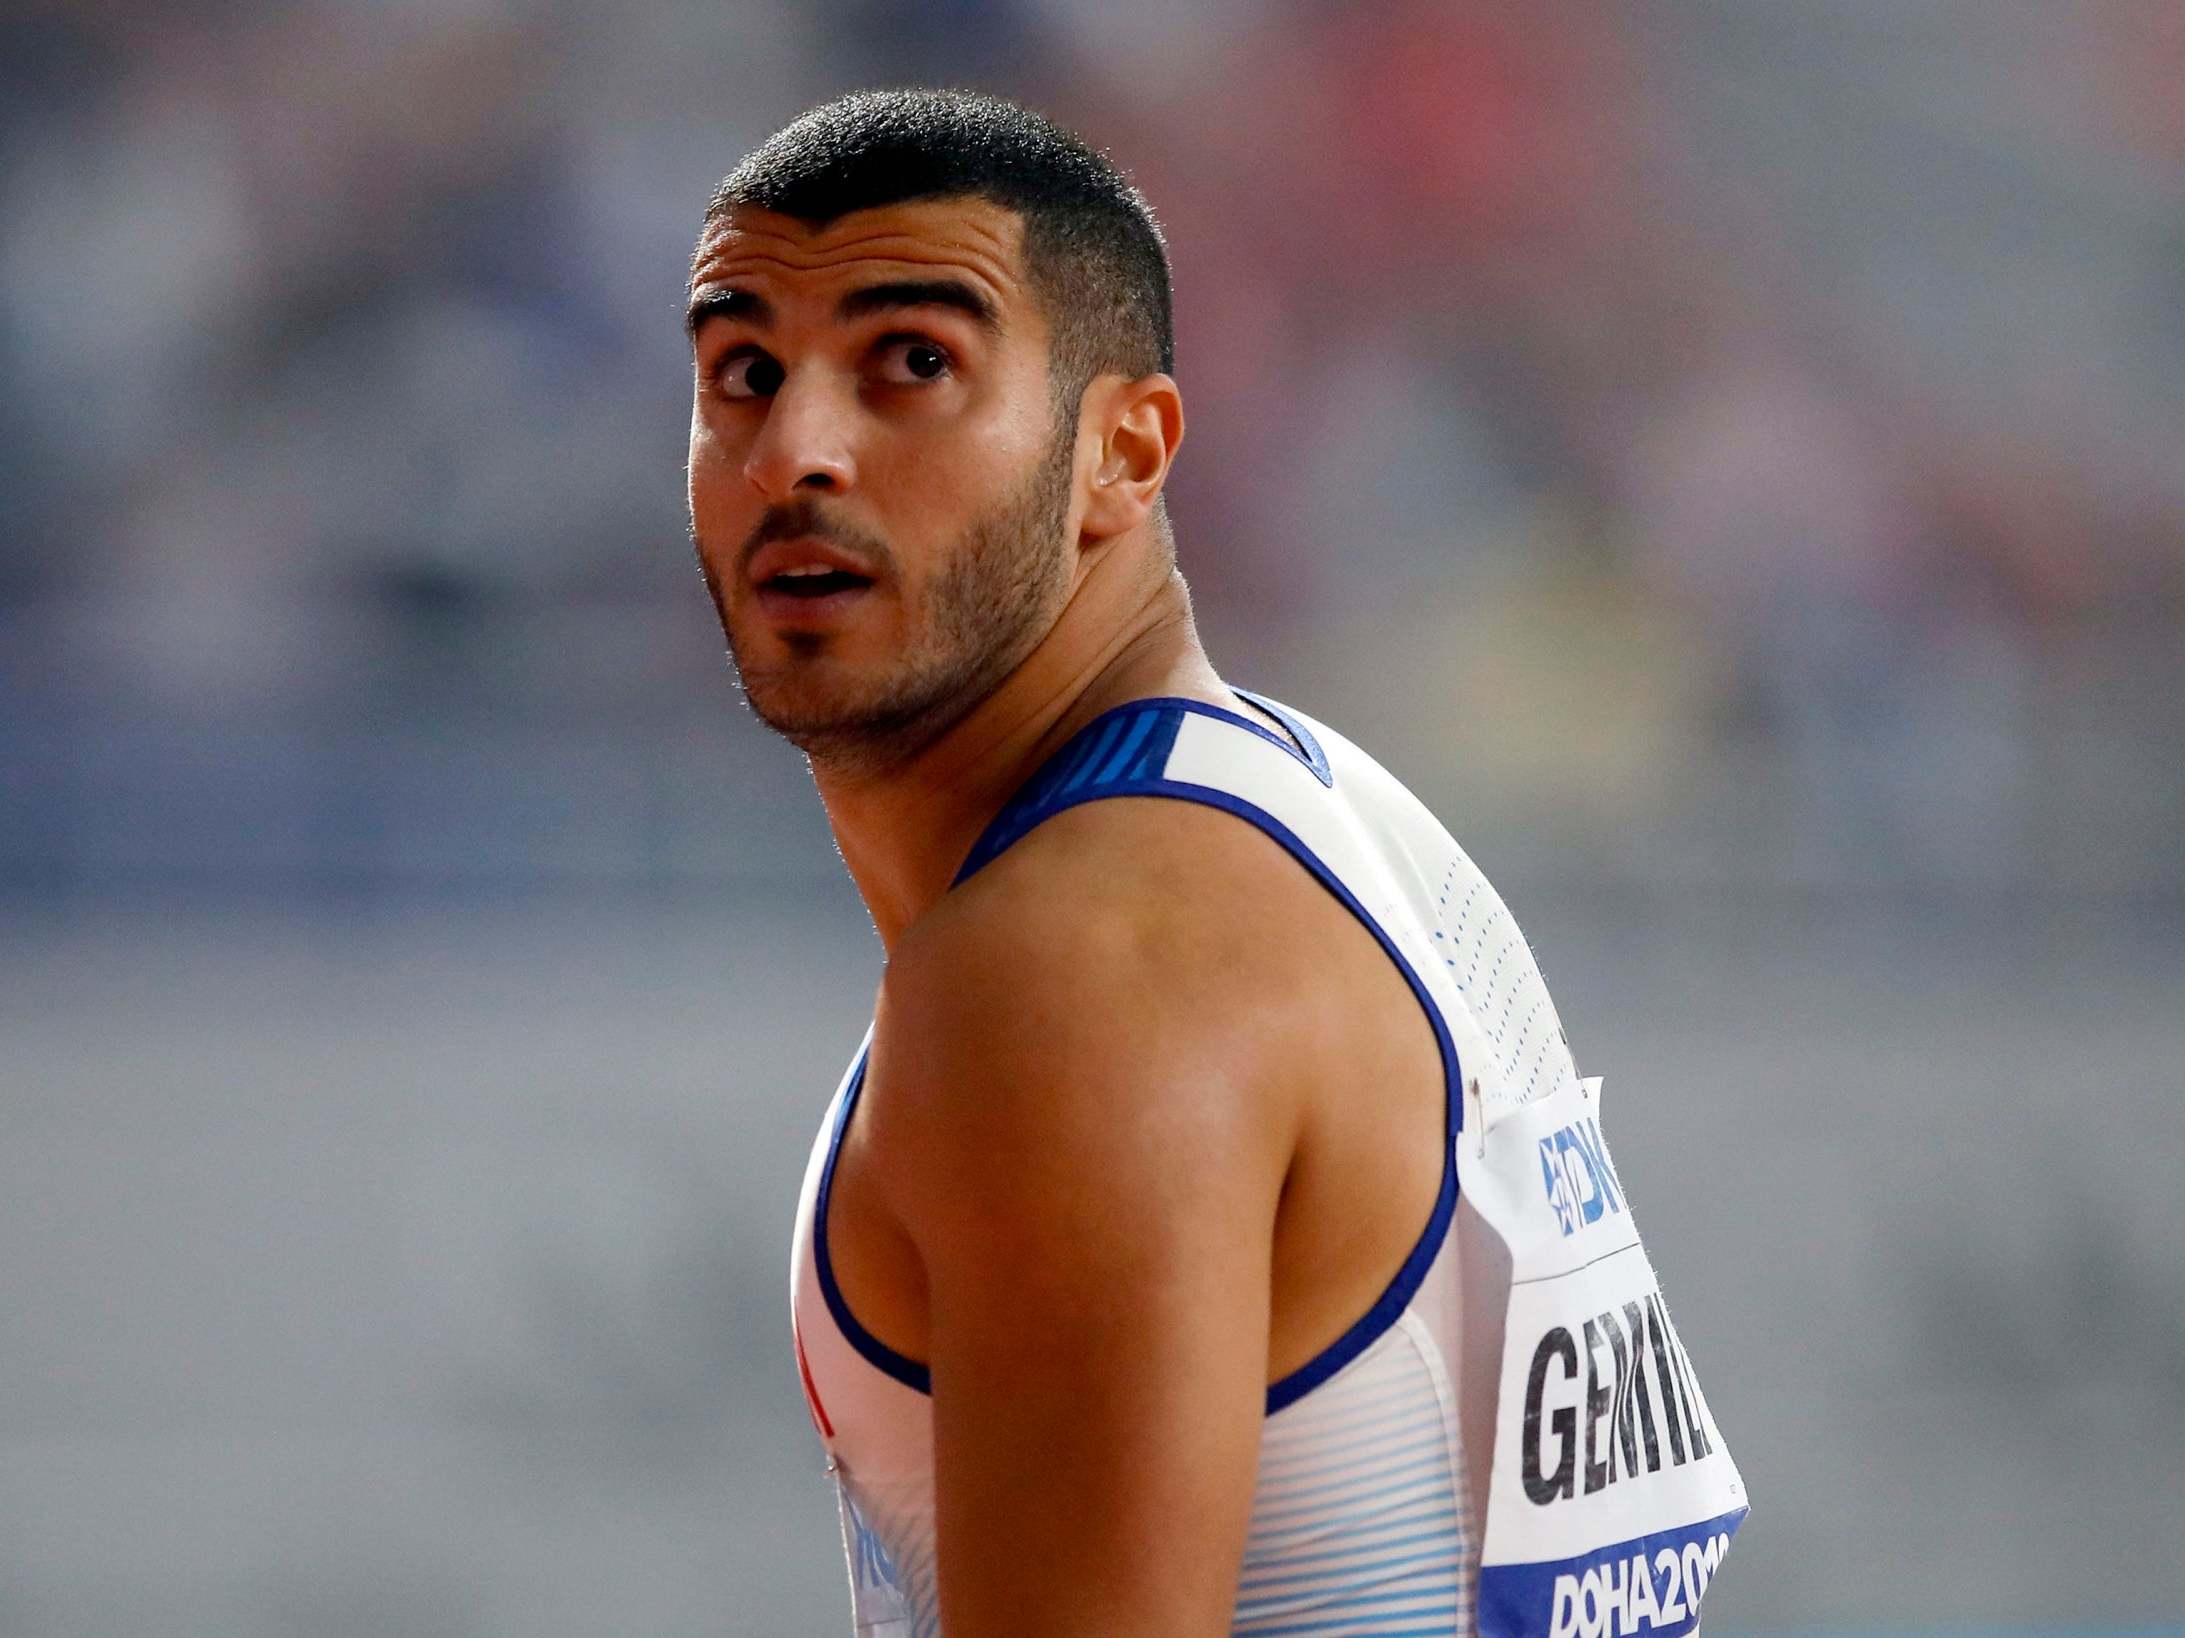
pixel 904 833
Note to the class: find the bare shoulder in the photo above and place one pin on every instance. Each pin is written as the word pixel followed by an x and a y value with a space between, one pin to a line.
pixel 1119 901
pixel 1137 978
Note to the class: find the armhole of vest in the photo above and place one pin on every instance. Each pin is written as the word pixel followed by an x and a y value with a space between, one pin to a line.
pixel 1394 1299
pixel 875 1352
pixel 1392 1302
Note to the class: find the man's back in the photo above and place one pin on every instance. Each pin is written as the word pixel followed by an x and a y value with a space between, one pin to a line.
pixel 1243 1245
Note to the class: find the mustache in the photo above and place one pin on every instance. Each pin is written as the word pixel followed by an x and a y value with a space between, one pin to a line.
pixel 801 519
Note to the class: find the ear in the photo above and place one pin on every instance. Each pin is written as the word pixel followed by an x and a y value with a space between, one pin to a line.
pixel 1138 425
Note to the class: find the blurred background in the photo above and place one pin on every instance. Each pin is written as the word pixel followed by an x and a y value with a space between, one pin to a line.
pixel 1729 457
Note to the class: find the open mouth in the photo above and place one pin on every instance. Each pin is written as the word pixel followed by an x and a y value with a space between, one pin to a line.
pixel 814 582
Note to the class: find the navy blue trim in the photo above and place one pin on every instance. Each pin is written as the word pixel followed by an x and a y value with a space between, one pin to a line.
pixel 1315 758
pixel 1126 742
pixel 905 1370
pixel 1375 1322
pixel 1130 742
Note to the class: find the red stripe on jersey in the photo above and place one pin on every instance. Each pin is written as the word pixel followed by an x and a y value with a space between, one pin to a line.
pixel 811 1393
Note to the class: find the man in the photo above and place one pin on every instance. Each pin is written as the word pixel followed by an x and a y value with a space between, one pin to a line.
pixel 1156 1258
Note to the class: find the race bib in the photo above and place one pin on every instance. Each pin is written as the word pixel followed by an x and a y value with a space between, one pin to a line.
pixel 1612 1498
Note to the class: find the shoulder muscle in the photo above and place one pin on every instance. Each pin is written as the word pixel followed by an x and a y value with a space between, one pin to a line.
pixel 1126 977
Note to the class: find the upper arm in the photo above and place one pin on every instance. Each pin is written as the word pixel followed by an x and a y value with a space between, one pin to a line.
pixel 1087 1124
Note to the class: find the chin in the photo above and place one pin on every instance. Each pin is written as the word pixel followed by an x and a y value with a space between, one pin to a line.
pixel 812 707
pixel 852 729
pixel 795 709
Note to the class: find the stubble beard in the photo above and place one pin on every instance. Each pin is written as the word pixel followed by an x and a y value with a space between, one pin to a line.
pixel 979 619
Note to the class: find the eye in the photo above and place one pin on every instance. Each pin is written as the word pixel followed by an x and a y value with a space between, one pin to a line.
pixel 747 374
pixel 908 360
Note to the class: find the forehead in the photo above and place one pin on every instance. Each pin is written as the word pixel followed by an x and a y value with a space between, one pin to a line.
pixel 971 239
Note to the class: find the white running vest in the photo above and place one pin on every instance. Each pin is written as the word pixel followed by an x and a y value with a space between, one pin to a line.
pixel 1511 1440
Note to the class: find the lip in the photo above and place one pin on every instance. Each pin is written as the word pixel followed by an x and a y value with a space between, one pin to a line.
pixel 785 609
pixel 777 556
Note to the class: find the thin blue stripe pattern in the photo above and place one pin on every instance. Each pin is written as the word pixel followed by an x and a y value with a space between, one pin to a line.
pixel 1360 1526
pixel 1129 744
pixel 1359 1519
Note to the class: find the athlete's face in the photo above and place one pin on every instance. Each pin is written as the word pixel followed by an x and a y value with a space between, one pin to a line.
pixel 881 491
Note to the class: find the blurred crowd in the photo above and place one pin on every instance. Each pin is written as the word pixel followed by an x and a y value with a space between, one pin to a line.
pixel 1713 438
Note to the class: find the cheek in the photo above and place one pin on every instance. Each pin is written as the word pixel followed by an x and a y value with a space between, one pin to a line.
pixel 705 441
pixel 712 473
pixel 959 470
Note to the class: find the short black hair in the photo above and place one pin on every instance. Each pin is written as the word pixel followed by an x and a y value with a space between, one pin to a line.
pixel 1093 252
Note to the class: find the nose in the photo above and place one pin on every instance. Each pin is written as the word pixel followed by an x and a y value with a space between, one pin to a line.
pixel 803 444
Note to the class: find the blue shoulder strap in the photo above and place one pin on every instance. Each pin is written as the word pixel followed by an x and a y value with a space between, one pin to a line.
pixel 1124 751
pixel 1123 746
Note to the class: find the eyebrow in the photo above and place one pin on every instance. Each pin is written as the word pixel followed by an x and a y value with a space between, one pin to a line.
pixel 954 293
pixel 722 303
pixel 872 298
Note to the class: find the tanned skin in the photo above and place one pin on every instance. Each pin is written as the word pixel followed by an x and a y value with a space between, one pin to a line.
pixel 1149 1119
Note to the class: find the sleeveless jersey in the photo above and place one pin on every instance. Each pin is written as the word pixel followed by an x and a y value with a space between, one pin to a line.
pixel 1510 1440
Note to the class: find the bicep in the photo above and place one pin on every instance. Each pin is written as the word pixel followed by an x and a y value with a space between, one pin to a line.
pixel 1098 1388
pixel 1095 1227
